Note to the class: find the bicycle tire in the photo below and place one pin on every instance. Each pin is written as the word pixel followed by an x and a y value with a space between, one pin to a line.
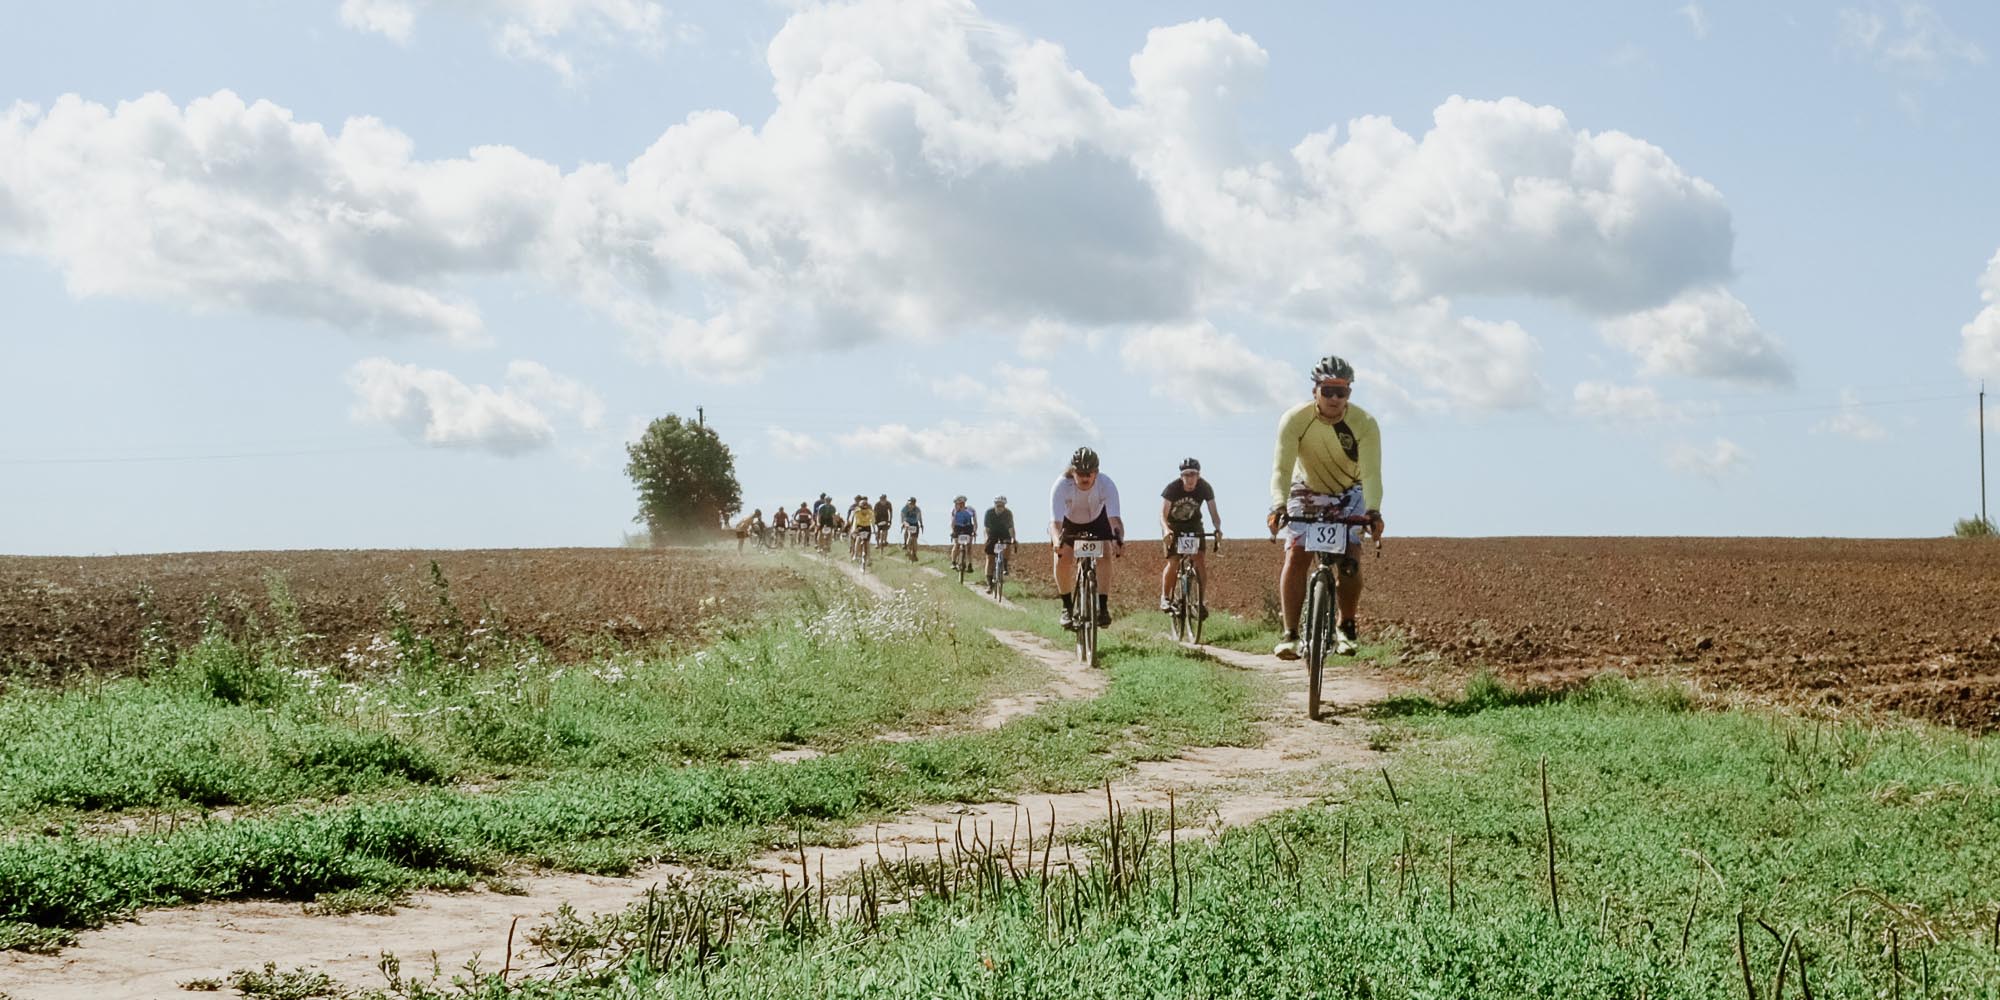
pixel 1318 636
pixel 1197 605
pixel 1179 618
pixel 1086 599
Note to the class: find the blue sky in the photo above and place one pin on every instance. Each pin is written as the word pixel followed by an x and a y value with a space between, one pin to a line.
pixel 357 273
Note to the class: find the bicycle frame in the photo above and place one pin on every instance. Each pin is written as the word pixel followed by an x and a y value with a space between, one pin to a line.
pixel 1084 596
pixel 1320 615
pixel 1190 603
pixel 996 582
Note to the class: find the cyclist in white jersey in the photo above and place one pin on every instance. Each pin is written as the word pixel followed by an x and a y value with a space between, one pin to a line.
pixel 1084 504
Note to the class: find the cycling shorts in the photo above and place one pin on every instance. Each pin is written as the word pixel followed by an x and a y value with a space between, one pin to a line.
pixel 1304 505
pixel 991 541
pixel 1167 543
pixel 1098 529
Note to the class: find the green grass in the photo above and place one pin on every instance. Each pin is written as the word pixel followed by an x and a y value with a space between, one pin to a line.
pixel 601 772
pixel 1836 836
pixel 232 723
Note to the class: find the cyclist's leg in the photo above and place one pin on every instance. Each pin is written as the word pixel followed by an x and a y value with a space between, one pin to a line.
pixel 1350 589
pixel 1168 571
pixel 1292 578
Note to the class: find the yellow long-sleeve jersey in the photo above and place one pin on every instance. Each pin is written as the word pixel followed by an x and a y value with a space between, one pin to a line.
pixel 1328 458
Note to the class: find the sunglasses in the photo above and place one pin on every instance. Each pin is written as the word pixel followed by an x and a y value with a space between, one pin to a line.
pixel 1330 391
pixel 1190 472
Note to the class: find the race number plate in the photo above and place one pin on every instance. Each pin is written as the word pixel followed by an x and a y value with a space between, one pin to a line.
pixel 1187 545
pixel 1326 538
pixel 966 539
pixel 1090 549
pixel 999 548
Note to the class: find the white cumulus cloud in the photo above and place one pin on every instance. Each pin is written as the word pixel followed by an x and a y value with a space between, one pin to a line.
pixel 1630 404
pixel 1979 355
pixel 1850 422
pixel 542 31
pixel 436 408
pixel 1026 419
pixel 1196 366
pixel 792 444
pixel 1711 461
pixel 1706 333
pixel 925 173
pixel 1697 19
pixel 1917 40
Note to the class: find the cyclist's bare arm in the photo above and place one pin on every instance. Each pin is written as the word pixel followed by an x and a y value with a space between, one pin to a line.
pixel 1215 517
pixel 1165 506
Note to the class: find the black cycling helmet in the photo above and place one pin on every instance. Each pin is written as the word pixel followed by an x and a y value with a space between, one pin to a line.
pixel 1190 465
pixel 1084 460
pixel 1332 366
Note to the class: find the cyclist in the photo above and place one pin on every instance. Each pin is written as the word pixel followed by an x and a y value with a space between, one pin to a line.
pixel 829 521
pixel 1180 513
pixel 779 522
pixel 913 519
pixel 1329 457
pixel 1084 505
pixel 752 525
pixel 885 515
pixel 964 522
pixel 999 528
pixel 863 523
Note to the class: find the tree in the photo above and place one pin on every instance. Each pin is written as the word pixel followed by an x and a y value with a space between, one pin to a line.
pixel 686 479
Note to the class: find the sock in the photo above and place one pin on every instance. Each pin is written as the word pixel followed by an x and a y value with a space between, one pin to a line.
pixel 1069 602
pixel 1104 602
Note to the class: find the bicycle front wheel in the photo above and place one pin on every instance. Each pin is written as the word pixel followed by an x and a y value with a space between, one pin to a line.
pixel 1318 636
pixel 1195 605
pixel 1086 611
pixel 1179 617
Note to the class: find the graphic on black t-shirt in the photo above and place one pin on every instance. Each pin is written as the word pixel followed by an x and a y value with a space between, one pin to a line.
pixel 1184 505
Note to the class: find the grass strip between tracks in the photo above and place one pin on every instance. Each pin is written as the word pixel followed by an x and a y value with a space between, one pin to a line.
pixel 608 771
pixel 1692 852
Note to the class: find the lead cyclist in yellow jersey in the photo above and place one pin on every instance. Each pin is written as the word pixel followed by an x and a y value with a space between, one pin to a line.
pixel 1329 457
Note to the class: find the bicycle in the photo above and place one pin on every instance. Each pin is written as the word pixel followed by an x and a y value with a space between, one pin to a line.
pixel 1190 605
pixel 1084 596
pixel 910 541
pixel 961 555
pixel 996 581
pixel 1326 537
pixel 862 549
pixel 881 534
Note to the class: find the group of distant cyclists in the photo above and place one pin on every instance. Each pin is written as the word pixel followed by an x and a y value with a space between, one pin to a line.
pixel 1327 467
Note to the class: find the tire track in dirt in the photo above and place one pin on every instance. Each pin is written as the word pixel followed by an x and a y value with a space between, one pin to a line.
pixel 1239 785
pixel 1215 787
pixel 151 956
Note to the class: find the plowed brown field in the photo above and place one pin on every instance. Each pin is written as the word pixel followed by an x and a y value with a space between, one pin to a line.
pixel 1910 625
pixel 63 616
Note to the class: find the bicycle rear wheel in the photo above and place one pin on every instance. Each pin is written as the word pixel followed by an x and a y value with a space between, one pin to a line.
pixel 1318 636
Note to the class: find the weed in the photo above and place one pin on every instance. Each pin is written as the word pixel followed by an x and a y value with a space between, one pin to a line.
pixel 271 983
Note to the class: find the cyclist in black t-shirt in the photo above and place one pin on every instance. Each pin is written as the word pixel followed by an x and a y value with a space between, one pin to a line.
pixel 1180 512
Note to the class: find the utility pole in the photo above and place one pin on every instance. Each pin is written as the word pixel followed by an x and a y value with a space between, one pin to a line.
pixel 702 419
pixel 1982 453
